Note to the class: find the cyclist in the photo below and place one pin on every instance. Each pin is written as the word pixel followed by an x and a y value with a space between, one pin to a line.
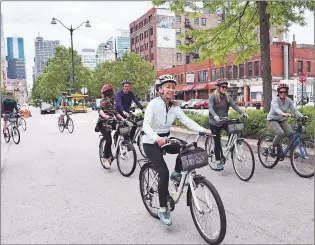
pixel 8 105
pixel 219 104
pixel 124 99
pixel 160 114
pixel 276 118
pixel 63 103
pixel 107 109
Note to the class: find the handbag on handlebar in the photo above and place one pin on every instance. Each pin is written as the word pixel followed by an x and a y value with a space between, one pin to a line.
pixel 193 158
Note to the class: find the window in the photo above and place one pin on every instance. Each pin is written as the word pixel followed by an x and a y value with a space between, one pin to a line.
pixel 151 31
pixel 187 59
pixel 203 21
pixel 241 67
pixel 182 78
pixel 235 72
pixel 151 45
pixel 178 42
pixel 131 30
pixel 230 72
pixel 132 41
pixel 308 66
pixel 203 76
pixel 300 66
pixel 150 18
pixel 178 56
pixel 217 73
pixel 178 19
pixel 250 69
pixel 212 74
pixel 136 27
pixel 257 68
pixel 178 31
pixel 145 21
pixel 152 56
pixel 196 21
pixel 222 72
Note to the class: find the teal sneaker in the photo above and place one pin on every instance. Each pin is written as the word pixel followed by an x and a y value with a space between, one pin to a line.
pixel 176 177
pixel 165 218
pixel 220 166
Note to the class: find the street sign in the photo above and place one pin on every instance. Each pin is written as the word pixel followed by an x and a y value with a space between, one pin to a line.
pixel 84 90
pixel 303 77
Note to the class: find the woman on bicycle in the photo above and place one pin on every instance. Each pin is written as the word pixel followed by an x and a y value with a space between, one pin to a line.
pixel 106 111
pixel 161 113
pixel 219 104
pixel 276 119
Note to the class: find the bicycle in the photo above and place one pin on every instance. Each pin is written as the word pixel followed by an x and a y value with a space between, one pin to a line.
pixel 298 147
pixel 234 146
pixel 21 122
pixel 120 148
pixel 12 130
pixel 192 157
pixel 69 122
pixel 137 122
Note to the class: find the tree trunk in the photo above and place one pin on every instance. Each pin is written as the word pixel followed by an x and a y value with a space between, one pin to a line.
pixel 265 54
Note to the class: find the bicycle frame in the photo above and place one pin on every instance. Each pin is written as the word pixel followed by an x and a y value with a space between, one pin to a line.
pixel 296 138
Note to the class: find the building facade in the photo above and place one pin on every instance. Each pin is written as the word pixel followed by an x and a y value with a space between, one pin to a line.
pixel 15 58
pixel 3 57
pixel 288 60
pixel 44 49
pixel 123 43
pixel 89 58
pixel 104 52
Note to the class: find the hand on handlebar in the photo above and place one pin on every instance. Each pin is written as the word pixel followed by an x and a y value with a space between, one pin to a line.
pixel 286 115
pixel 161 141
pixel 126 113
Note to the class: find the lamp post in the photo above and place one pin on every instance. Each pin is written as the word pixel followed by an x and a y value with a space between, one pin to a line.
pixel 71 30
pixel 108 46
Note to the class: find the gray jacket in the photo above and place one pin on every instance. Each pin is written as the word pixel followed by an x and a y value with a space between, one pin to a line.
pixel 221 109
pixel 278 107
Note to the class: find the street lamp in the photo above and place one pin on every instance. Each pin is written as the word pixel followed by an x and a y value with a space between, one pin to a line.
pixel 87 24
pixel 108 46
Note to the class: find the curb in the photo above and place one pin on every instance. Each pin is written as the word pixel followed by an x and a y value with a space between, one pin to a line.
pixel 4 153
pixel 184 133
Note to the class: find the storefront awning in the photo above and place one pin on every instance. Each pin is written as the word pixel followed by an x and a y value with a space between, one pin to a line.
pixel 188 87
pixel 201 86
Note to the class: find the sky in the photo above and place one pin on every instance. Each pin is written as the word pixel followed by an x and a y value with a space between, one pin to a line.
pixel 26 19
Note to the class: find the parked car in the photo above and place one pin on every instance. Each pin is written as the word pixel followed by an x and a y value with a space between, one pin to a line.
pixel 191 104
pixel 46 108
pixel 180 102
pixel 185 103
pixel 201 104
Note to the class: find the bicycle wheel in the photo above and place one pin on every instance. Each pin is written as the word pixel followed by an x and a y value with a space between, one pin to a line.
pixel 264 144
pixel 22 123
pixel 302 158
pixel 70 125
pixel 148 178
pixel 60 125
pixel 218 236
pixel 101 151
pixel 238 153
pixel 16 135
pixel 124 153
pixel 7 139
pixel 209 147
pixel 140 145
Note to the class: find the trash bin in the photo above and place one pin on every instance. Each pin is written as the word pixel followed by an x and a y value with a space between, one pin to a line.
pixel 258 106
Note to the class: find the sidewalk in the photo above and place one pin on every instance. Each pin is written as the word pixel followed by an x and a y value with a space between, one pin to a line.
pixel 5 147
pixel 184 133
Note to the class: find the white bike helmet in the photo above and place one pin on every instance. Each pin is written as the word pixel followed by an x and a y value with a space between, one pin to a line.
pixel 167 79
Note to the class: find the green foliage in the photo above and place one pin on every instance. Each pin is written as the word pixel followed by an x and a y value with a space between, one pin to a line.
pixel 57 76
pixel 131 67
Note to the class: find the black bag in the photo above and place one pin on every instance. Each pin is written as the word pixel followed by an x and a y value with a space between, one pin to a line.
pixel 97 128
pixel 193 158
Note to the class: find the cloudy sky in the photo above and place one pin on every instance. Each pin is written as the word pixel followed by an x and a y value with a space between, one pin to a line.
pixel 26 19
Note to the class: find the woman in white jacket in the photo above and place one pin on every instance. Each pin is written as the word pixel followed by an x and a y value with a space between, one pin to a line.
pixel 160 114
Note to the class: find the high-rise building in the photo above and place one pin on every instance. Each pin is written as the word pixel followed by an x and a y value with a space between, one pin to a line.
pixel 89 58
pixel 44 49
pixel 123 42
pixel 3 57
pixel 104 52
pixel 16 58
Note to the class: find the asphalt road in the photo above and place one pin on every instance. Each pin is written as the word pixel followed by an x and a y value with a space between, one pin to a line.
pixel 54 190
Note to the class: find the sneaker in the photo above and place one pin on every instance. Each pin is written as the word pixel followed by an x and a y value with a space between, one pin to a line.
pixel 176 177
pixel 220 166
pixel 106 163
pixel 165 218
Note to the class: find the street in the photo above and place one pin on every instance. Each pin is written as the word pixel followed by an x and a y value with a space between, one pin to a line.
pixel 54 190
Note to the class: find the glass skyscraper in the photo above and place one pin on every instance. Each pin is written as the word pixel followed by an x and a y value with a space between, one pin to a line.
pixel 123 42
pixel 16 58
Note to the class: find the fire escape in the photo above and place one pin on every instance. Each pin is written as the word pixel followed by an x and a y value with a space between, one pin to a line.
pixel 189 40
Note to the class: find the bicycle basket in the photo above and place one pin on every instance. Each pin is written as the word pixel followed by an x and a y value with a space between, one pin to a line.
pixel 235 128
pixel 124 130
pixel 194 158
pixel 139 123
pixel 13 119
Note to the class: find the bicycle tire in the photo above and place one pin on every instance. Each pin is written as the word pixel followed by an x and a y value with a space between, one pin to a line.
pixel 22 123
pixel 221 209
pixel 61 127
pixel 139 143
pixel 68 123
pixel 292 159
pixel 127 143
pixel 146 166
pixel 16 130
pixel 252 156
pixel 260 152
pixel 209 148
pixel 101 150
pixel 7 139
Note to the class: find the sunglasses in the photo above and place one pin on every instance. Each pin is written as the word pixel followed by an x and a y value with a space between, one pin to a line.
pixel 224 87
pixel 282 92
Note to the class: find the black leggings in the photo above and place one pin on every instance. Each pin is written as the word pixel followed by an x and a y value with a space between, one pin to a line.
pixel 155 155
pixel 217 139
pixel 108 138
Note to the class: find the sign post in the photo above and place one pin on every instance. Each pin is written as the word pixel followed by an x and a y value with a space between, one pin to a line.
pixel 302 78
pixel 84 91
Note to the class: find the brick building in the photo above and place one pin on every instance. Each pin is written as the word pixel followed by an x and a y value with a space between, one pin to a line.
pixel 245 80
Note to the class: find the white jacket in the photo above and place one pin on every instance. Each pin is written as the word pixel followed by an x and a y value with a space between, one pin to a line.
pixel 157 120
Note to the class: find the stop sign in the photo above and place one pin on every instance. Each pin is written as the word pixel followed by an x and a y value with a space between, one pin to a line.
pixel 303 77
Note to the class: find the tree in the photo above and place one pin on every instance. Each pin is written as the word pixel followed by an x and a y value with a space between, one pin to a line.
pixel 57 76
pixel 237 32
pixel 130 67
